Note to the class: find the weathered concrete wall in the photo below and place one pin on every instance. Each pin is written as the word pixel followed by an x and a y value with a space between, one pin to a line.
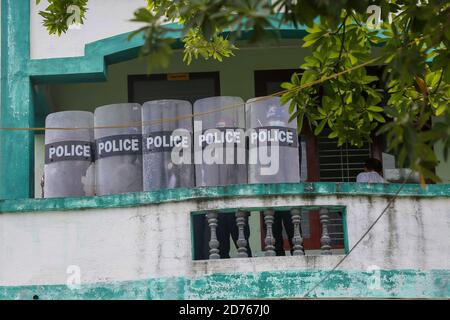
pixel 154 242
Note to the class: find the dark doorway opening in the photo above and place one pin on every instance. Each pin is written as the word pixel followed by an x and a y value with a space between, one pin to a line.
pixel 181 86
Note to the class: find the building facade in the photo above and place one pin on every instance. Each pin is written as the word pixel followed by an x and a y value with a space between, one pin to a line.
pixel 144 245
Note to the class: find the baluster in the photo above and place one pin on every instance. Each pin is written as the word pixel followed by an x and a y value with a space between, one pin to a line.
pixel 297 240
pixel 213 242
pixel 269 240
pixel 42 186
pixel 241 242
pixel 325 240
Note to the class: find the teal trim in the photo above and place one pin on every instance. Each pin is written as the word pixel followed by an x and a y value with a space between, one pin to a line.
pixel 345 227
pixel 336 208
pixel 273 284
pixel 193 238
pixel 233 191
pixel 16 147
pixel 41 107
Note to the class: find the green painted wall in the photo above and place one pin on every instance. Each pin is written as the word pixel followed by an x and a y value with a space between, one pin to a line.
pixel 274 284
pixel 309 189
pixel 16 147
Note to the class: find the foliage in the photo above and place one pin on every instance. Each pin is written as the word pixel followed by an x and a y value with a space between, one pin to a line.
pixel 347 104
pixel 349 99
pixel 59 14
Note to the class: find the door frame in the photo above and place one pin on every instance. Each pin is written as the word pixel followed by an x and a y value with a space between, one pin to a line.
pixel 177 76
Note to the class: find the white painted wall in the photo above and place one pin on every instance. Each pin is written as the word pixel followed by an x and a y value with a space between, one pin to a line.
pixel 155 241
pixel 104 18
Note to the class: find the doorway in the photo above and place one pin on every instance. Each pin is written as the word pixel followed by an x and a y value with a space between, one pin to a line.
pixel 180 86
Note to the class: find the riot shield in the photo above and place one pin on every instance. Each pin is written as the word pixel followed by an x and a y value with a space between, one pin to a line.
pixel 68 155
pixel 219 141
pixel 118 146
pixel 273 142
pixel 167 145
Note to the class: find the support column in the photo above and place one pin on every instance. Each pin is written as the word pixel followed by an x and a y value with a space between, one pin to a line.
pixel 16 147
pixel 241 242
pixel 270 240
pixel 213 242
pixel 297 240
pixel 325 240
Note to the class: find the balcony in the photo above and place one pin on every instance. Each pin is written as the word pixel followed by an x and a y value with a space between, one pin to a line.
pixel 142 245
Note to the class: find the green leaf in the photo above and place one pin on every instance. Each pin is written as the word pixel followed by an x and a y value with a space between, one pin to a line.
pixel 333 135
pixel 321 111
pixel 308 77
pixel 312 37
pixel 375 109
pixel 441 110
pixel 300 123
pixel 295 79
pixel 320 127
pixel 428 174
pixel 377 117
pixel 348 97
pixel 287 85
pixel 369 79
